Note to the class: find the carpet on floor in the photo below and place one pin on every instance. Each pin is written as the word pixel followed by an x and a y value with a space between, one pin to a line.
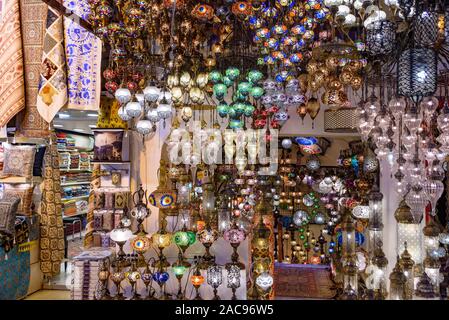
pixel 303 281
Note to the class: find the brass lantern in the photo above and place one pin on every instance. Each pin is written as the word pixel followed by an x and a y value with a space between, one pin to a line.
pixel 397 282
pixel 408 232
pixel 407 264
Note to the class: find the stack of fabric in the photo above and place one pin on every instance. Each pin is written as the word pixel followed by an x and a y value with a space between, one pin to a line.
pixel 85 269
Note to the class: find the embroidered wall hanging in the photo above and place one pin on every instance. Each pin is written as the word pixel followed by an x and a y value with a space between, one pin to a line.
pixel 53 83
pixel 83 58
pixel 33 16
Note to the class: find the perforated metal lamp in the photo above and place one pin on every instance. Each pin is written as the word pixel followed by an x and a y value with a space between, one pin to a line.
pixel 380 38
pixel 215 278
pixel 417 73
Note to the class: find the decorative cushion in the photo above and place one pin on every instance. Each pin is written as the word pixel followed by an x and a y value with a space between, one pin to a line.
pixel 108 221
pixel 99 200
pixel 38 162
pixel 120 200
pixel 22 191
pixel 8 210
pixel 109 200
pixel 18 160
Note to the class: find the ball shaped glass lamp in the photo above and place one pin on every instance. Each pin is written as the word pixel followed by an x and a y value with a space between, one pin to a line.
pixel 120 236
pixel 133 109
pixel 161 277
pixel 162 239
pixel 207 236
pixel 164 109
pixel 162 198
pixel 179 270
pixel 141 244
pixel 123 95
pixel 144 127
pixel 181 239
pixel 151 93
pixel 235 236
pixel 197 280
pixel 264 281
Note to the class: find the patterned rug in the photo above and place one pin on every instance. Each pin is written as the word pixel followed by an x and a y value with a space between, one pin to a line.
pixel 33 17
pixel 14 274
pixel 12 88
pixel 303 281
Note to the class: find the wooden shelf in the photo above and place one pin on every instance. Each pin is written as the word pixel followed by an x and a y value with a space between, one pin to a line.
pixel 74 183
pixel 74 198
pixel 13 180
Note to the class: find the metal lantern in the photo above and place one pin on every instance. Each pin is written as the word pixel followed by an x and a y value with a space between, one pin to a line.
pixel 349 258
pixel 233 279
pixel 408 232
pixel 417 70
pixel 380 37
pixel 215 278
pixel 426 29
pixel 424 288
pixel 432 269
pixel 380 263
pixel 375 225
pixel 408 264
pixel 397 283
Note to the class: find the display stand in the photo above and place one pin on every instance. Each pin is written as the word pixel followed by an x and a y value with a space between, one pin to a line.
pixel 21 261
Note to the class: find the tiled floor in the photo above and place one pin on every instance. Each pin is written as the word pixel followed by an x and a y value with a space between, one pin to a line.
pixel 50 295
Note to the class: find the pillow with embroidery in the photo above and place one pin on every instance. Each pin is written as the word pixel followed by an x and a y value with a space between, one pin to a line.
pixel 18 161
pixel 22 191
pixel 8 210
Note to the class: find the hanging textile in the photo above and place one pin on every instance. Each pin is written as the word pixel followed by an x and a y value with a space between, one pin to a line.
pixel 52 231
pixel 83 58
pixel 53 83
pixel 12 88
pixel 95 184
pixel 33 15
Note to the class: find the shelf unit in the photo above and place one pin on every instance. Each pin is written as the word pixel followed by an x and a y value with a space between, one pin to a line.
pixel 75 178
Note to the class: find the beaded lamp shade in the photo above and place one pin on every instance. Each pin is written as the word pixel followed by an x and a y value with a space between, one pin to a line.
pixel 234 235
pixel 417 70
pixel 380 38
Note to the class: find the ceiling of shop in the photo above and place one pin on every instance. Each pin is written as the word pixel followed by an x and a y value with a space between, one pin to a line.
pixel 76 120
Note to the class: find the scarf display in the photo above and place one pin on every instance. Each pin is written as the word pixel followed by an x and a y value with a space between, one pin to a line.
pixel 52 230
pixel 12 88
pixel 33 16
pixel 53 83
pixel 83 58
